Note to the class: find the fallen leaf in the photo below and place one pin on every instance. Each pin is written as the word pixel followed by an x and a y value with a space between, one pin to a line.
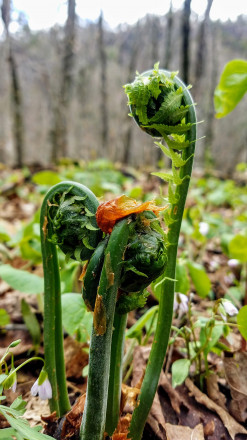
pixel 156 418
pixel 230 423
pixel 174 432
pixel 72 422
pixel 122 429
pixel 174 396
pixel 129 398
pixel 214 392
pixel 236 376
pixel 75 357
pixel 140 358
pixel 209 428
pixel 35 407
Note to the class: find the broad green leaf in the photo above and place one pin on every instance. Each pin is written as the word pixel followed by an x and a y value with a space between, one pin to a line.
pixel 238 248
pixel 31 323
pixel 200 279
pixel 22 427
pixel 85 371
pixel 242 321
pixel 180 371
pixel 235 295
pixel 231 88
pixel 136 329
pixel 7 433
pixel 21 280
pixel 19 405
pixel 3 377
pixel 4 318
pixel 182 284
pixel 46 178
pixel 215 335
pixel 4 236
pixel 75 317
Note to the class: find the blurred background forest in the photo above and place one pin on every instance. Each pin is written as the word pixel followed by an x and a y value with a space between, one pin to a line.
pixel 62 95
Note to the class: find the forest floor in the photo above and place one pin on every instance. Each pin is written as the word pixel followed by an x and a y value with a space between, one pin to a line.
pixel 211 403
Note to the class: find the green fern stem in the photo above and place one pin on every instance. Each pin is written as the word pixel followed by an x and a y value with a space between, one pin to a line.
pixel 159 346
pixel 115 380
pixel 53 331
pixel 94 415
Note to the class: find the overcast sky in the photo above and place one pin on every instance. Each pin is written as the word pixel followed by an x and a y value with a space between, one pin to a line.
pixel 43 14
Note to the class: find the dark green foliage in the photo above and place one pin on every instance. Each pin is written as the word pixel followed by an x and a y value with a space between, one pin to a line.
pixel 144 260
pixel 93 272
pixel 131 301
pixel 145 256
pixel 74 225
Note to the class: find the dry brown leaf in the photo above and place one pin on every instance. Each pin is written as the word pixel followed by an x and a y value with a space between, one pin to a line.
pixel 230 423
pixel 122 429
pixel 75 357
pixel 35 408
pixel 236 376
pixel 72 423
pixel 209 428
pixel 156 418
pixel 140 358
pixel 174 432
pixel 174 396
pixel 129 398
pixel 214 392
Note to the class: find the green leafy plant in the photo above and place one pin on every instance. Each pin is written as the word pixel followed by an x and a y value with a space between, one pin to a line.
pixel 19 427
pixel 231 88
pixel 197 346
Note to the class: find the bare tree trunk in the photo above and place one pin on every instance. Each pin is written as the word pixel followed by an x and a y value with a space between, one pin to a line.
pixel 185 55
pixel 168 39
pixel 209 135
pixel 166 64
pixel 103 87
pixel 155 28
pixel 201 55
pixel 16 94
pixel 59 132
pixel 127 142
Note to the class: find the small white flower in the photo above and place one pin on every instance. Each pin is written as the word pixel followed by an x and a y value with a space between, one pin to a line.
pixel 203 228
pixel 44 390
pixel 229 279
pixel 230 309
pixel 213 265
pixel 233 263
pixel 13 388
pixel 181 304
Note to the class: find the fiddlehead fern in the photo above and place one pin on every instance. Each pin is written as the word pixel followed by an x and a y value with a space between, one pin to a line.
pixel 66 219
pixel 145 244
pixel 136 245
pixel 163 107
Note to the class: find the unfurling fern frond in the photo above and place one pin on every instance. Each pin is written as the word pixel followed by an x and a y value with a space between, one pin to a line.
pixel 157 104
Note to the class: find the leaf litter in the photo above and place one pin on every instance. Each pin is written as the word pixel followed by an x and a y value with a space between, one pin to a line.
pixel 184 412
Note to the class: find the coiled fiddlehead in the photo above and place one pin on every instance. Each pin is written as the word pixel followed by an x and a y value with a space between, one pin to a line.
pixel 143 260
pixel 67 219
pixel 163 107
